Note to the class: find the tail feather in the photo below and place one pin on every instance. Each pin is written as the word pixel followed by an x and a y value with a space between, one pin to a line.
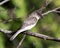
pixel 18 32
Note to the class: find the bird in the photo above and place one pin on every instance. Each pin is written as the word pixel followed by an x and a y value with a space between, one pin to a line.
pixel 29 23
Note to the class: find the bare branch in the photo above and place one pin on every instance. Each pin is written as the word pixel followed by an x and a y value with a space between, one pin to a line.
pixel 1 3
pixel 42 36
pixel 5 31
pixel 38 35
pixel 57 11
pixel 53 10
pixel 20 43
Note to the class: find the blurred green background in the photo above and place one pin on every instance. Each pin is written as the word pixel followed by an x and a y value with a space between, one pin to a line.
pixel 48 25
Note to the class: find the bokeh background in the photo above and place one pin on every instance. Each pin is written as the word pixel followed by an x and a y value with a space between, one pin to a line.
pixel 48 25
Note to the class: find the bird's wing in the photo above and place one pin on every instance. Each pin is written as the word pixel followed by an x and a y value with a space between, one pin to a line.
pixel 29 21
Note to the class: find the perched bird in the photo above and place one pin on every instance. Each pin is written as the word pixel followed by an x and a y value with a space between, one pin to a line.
pixel 29 23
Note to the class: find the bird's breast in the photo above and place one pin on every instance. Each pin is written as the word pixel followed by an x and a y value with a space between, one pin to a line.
pixel 30 26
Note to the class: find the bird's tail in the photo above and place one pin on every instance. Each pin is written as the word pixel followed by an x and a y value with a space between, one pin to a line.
pixel 18 32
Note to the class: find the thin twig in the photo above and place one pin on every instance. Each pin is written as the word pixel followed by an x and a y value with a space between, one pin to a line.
pixel 20 43
pixel 1 3
pixel 57 11
pixel 53 10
